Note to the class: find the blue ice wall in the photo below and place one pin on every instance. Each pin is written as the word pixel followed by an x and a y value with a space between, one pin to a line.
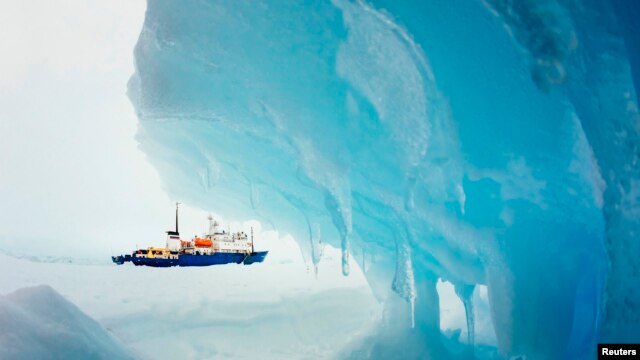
pixel 478 142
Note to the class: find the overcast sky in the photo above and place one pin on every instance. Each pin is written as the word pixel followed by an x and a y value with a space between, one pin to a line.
pixel 72 179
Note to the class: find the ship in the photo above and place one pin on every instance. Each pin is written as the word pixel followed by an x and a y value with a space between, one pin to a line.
pixel 215 247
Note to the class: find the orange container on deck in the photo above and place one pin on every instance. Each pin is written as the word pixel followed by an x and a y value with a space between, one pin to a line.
pixel 203 242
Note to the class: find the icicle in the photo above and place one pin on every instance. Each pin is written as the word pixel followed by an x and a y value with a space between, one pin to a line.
pixel 412 302
pixel 404 280
pixel 462 197
pixel 468 308
pixel 465 293
pixel 345 255
pixel 317 248
pixel 340 209
pixel 409 196
pixel 409 199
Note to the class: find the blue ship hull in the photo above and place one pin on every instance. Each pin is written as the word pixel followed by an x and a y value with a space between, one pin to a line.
pixel 194 260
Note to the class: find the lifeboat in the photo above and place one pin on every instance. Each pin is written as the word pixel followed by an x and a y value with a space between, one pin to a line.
pixel 203 242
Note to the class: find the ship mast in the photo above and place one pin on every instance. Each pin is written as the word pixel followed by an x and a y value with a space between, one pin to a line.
pixel 213 225
pixel 177 203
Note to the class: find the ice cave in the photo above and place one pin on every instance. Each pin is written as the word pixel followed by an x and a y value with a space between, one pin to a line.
pixel 481 143
pixel 467 161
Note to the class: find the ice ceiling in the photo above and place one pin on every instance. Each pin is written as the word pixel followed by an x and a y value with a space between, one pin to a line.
pixel 478 142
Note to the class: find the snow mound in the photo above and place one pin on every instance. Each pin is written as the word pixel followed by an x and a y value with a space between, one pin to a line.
pixel 38 323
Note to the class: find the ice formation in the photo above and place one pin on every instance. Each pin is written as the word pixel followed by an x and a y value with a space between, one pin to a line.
pixel 479 142
pixel 221 312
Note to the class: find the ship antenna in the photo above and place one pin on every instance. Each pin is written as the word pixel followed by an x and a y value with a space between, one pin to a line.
pixel 177 203
pixel 252 250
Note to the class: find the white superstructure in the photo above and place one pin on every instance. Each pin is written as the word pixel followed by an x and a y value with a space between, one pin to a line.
pixel 218 241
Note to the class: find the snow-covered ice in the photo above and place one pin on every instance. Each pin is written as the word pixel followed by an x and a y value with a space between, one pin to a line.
pixel 38 323
pixel 273 310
